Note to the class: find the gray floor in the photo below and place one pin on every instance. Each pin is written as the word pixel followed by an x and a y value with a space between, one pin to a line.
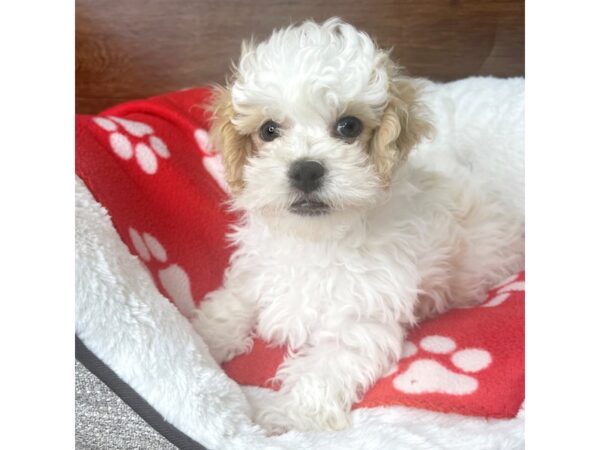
pixel 104 421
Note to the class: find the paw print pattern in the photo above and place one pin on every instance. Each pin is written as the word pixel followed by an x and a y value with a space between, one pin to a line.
pixel 426 375
pixel 211 159
pixel 128 138
pixel 503 291
pixel 172 277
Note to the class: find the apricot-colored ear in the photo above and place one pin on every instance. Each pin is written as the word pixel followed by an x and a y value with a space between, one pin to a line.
pixel 402 126
pixel 234 147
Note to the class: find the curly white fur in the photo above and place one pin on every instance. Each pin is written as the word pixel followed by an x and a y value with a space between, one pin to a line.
pixel 341 289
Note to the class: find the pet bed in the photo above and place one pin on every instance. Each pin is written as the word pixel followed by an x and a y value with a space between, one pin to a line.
pixel 151 224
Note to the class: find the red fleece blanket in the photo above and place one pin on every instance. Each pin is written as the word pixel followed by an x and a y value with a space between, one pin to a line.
pixel 150 164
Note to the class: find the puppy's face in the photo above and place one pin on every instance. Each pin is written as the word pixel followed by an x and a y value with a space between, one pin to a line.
pixel 314 124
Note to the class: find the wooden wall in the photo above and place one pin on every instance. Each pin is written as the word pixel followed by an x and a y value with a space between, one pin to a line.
pixel 129 49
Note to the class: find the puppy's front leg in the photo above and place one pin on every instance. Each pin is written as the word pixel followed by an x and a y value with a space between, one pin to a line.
pixel 225 319
pixel 321 382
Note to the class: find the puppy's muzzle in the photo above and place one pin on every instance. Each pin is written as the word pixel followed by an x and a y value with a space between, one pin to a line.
pixel 306 175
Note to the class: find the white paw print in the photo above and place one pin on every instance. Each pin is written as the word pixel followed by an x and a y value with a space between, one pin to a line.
pixel 426 375
pixel 173 278
pixel 504 290
pixel 146 149
pixel 210 159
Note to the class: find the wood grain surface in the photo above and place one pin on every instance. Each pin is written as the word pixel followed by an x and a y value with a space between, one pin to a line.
pixel 136 48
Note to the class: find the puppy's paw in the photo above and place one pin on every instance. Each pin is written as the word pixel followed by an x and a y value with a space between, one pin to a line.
pixel 286 413
pixel 272 419
pixel 224 351
pixel 224 339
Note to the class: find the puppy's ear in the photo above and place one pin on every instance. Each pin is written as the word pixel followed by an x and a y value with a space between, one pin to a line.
pixel 235 148
pixel 402 126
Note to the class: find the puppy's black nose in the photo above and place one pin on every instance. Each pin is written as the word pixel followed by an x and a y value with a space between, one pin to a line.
pixel 306 175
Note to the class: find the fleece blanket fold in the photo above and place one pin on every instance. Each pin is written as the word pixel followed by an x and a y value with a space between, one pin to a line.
pixel 150 164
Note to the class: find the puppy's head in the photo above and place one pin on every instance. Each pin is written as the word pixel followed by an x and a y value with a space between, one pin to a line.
pixel 314 123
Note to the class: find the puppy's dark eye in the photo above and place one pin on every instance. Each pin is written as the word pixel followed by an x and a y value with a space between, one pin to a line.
pixel 348 127
pixel 269 131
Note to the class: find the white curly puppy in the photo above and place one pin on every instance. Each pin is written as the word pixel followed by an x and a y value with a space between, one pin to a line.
pixel 345 240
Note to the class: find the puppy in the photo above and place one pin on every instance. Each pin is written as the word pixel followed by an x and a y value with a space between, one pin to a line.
pixel 345 240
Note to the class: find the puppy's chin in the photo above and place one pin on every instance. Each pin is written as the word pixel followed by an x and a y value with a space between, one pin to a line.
pixel 309 220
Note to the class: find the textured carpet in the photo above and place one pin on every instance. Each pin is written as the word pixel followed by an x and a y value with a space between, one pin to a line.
pixel 104 421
